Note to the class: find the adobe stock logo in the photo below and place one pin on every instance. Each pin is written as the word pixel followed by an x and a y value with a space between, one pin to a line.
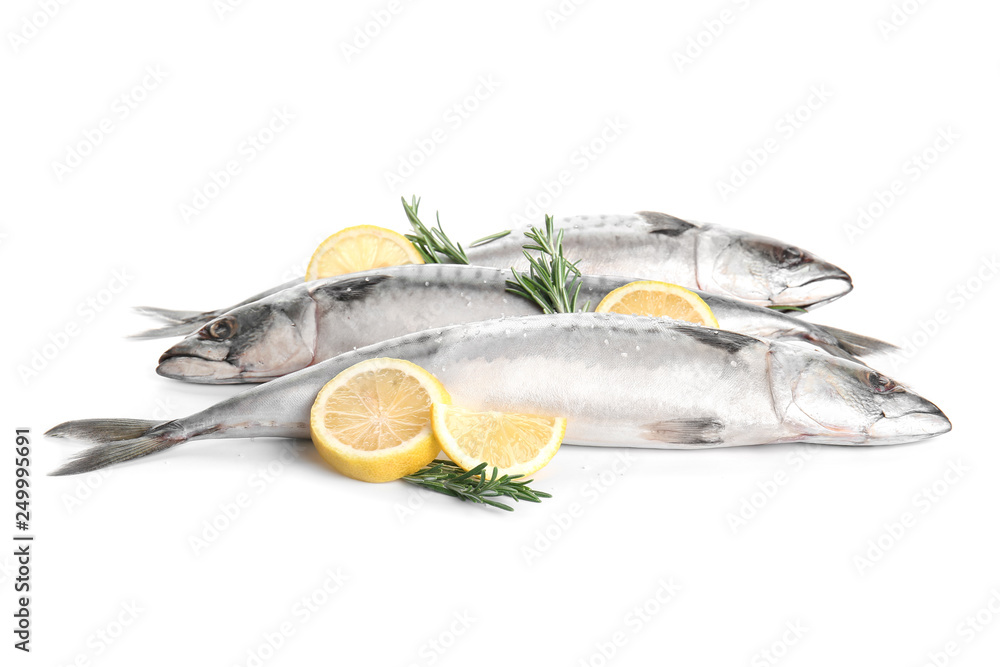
pixel 633 622
pixel 86 312
pixel 779 648
pixel 910 172
pixel 453 118
pixel 223 8
pixel 269 643
pixel 249 149
pixel 712 29
pixel 33 23
pixel 900 15
pixel 752 504
pixel 956 299
pixel 966 632
pixel 122 107
pixel 583 157
pixel 366 33
pixel 560 523
pixel 786 128
pixel 560 13
pixel 436 646
pixel 896 529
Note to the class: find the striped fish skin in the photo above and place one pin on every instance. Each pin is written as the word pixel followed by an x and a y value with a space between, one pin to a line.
pixel 619 380
pixel 649 246
pixel 314 321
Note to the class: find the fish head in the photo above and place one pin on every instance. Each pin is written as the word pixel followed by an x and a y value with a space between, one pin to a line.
pixel 835 400
pixel 253 343
pixel 764 271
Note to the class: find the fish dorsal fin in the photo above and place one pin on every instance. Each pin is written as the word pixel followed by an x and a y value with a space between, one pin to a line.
pixel 661 223
pixel 720 339
pixel 352 288
pixel 701 431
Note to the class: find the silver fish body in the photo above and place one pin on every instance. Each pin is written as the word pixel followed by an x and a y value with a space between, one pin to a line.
pixel 714 259
pixel 645 245
pixel 311 322
pixel 619 380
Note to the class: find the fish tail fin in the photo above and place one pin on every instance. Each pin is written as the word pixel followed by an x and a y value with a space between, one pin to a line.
pixel 121 441
pixel 166 315
pixel 102 430
pixel 857 345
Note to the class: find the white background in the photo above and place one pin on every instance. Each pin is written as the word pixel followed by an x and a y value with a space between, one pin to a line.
pixel 124 538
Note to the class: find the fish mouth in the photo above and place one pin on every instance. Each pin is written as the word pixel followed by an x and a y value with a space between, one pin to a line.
pixel 816 291
pixel 198 369
pixel 916 425
pixel 201 370
pixel 195 360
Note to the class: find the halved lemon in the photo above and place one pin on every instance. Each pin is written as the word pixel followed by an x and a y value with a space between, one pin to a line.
pixel 649 297
pixel 513 443
pixel 359 249
pixel 373 421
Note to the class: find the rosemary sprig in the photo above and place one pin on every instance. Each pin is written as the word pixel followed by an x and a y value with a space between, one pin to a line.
pixel 552 281
pixel 431 243
pixel 473 485
pixel 788 309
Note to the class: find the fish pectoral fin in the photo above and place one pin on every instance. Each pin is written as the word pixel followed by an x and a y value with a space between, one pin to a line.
pixel 858 345
pixel 704 431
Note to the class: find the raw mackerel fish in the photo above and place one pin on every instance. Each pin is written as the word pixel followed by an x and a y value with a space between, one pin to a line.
pixel 317 320
pixel 648 246
pixel 620 380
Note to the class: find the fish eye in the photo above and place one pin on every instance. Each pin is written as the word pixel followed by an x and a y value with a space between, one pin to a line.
pixel 791 256
pixel 222 329
pixel 880 383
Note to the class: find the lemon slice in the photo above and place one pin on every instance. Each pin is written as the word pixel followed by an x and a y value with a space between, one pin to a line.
pixel 649 297
pixel 514 444
pixel 373 421
pixel 359 249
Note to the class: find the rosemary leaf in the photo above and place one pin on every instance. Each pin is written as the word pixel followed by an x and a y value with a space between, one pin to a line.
pixel 487 239
pixel 475 485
